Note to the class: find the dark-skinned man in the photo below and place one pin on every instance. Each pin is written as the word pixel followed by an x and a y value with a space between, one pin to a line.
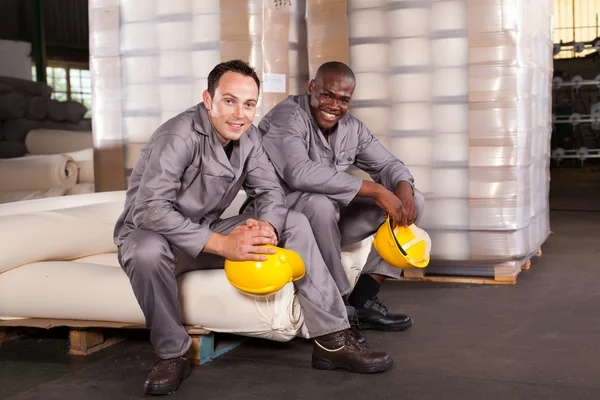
pixel 311 141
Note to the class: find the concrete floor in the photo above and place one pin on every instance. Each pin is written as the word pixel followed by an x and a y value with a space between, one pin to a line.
pixel 534 340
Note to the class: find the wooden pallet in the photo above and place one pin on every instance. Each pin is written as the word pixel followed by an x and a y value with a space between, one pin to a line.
pixel 88 337
pixel 501 277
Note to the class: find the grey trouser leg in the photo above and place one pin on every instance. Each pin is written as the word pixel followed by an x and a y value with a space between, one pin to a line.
pixel 334 228
pixel 152 265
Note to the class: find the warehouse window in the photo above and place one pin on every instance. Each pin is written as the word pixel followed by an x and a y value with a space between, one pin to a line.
pixel 576 21
pixel 70 82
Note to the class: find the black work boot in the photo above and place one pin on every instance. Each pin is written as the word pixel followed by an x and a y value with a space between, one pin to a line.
pixel 355 326
pixel 340 350
pixel 167 374
pixel 374 315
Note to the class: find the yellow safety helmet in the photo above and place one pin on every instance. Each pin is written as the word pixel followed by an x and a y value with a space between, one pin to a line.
pixel 265 277
pixel 402 247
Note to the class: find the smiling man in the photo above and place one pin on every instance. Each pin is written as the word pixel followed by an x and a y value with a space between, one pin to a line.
pixel 311 141
pixel 189 172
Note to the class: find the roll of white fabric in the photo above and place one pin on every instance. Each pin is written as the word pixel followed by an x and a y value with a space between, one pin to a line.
pixel 206 6
pixel 408 22
pixel 139 129
pixel 173 7
pixel 376 119
pixel 204 61
pixel 413 87
pixel 451 147
pixel 413 150
pixel 360 4
pixel 372 57
pixel 450 52
pixel 451 182
pixel 450 82
pixel 38 172
pixel 370 23
pixel 81 188
pixel 449 15
pixel 54 141
pixel 451 118
pixel 176 35
pixel 206 28
pixel 176 96
pixel 411 117
pixel 141 97
pixel 371 86
pixel 85 163
pixel 26 195
pixel 410 52
pixel 138 36
pixel 134 11
pixel 140 69
pixel 175 64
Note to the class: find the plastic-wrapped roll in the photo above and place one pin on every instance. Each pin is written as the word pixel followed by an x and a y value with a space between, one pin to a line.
pixel 445 214
pixel 451 118
pixel 408 22
pixel 360 4
pixel 371 86
pixel 410 52
pixel 140 69
pixel 164 8
pixel 413 150
pixel 139 37
pixel 139 129
pixel 450 52
pixel 206 28
pixel 450 182
pixel 176 96
pixel 450 82
pixel 452 246
pixel 140 97
pixel 204 61
pixel 206 6
pixel 423 178
pixel 174 64
pixel 135 11
pixel 414 87
pixel 376 119
pixel 369 23
pixel 451 148
pixel 175 35
pixel 449 15
pixel 411 117
pixel 371 57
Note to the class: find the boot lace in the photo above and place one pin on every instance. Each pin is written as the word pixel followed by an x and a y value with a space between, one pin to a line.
pixel 377 305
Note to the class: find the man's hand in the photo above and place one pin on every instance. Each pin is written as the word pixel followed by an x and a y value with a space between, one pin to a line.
pixel 404 192
pixel 393 206
pixel 264 225
pixel 242 244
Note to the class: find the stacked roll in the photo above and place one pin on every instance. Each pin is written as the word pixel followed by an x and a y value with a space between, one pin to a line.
pixel 298 51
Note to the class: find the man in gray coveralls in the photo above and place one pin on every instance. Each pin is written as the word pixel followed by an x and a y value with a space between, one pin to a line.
pixel 188 173
pixel 311 141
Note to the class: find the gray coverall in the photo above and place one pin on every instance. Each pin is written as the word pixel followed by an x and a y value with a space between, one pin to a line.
pixel 316 184
pixel 180 186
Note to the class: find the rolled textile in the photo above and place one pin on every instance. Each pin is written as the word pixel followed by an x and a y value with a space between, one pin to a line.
pixel 81 188
pixel 38 172
pixel 85 163
pixel 57 111
pixel 10 149
pixel 13 105
pixel 54 141
pixel 18 196
pixel 75 111
pixel 37 108
pixel 27 87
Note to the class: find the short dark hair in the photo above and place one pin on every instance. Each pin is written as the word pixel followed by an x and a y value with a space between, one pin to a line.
pixel 335 67
pixel 239 66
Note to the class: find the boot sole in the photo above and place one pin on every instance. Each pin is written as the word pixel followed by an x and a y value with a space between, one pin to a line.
pixel 386 328
pixel 167 389
pixel 328 365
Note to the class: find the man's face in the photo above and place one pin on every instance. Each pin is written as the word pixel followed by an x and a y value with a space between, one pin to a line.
pixel 330 97
pixel 232 108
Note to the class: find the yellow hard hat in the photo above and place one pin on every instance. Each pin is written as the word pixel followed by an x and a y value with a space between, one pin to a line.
pixel 265 277
pixel 403 247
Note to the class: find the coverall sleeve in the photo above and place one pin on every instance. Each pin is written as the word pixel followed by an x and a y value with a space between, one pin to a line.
pixel 383 167
pixel 286 143
pixel 166 162
pixel 263 185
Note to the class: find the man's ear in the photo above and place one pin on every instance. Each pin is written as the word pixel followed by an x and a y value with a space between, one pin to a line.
pixel 207 100
pixel 311 86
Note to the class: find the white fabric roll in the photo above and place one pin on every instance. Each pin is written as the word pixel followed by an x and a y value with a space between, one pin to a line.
pixel 451 147
pixel 139 129
pixel 372 57
pixel 141 69
pixel 410 52
pixel 54 141
pixel 25 195
pixel 411 117
pixel 134 10
pixel 206 6
pixel 81 188
pixel 85 163
pixel 367 23
pixel 450 82
pixel 449 15
pixel 141 97
pixel 206 28
pixel 38 172
pixel 413 150
pixel 451 118
pixel 173 7
pixel 138 36
pixel 410 87
pixel 59 203
pixel 371 86
pixel 408 22
pixel 204 61
pixel 450 52
pixel 176 35
pixel 176 96
pixel 451 182
pixel 376 119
